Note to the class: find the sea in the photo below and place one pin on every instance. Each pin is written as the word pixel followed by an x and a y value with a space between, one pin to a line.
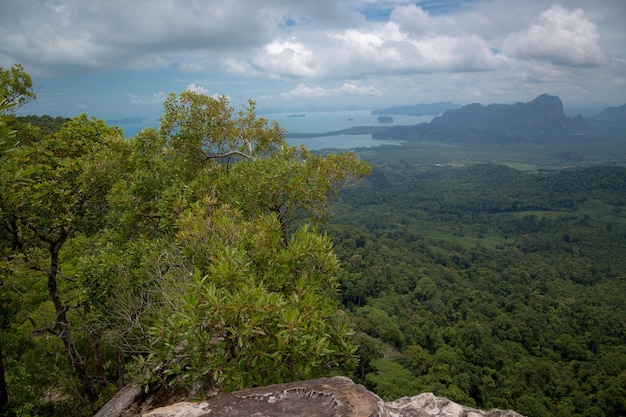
pixel 331 121
pixel 312 122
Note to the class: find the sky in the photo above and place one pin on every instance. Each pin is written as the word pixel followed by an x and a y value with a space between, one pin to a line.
pixel 120 59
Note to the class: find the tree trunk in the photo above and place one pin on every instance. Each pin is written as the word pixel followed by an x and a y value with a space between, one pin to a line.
pixel 4 392
pixel 95 338
pixel 76 360
pixel 121 368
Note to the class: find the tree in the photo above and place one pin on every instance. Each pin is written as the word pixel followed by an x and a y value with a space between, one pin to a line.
pixel 116 248
pixel 15 87
pixel 205 129
pixel 63 197
pixel 255 311
pixel 8 140
pixel 7 143
pixel 197 247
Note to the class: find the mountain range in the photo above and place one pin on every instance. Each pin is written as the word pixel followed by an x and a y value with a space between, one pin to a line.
pixel 539 120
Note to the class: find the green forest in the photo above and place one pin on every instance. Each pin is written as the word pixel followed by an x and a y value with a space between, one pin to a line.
pixel 209 255
pixel 488 285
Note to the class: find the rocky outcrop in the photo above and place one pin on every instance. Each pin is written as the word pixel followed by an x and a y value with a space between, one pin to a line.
pixel 428 405
pixel 326 397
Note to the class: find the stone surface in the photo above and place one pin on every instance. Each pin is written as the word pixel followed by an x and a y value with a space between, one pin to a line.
pixel 428 405
pixel 326 397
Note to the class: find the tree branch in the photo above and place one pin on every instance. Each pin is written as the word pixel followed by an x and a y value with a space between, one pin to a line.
pixel 51 330
pixel 65 277
pixel 228 154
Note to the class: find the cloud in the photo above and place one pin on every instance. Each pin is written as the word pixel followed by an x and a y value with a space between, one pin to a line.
pixel 558 36
pixel 302 90
pixel 278 59
pixel 247 48
pixel 415 20
pixel 412 41
pixel 197 89
pixel 156 98
pixel 51 36
pixel 325 39
pixel 190 67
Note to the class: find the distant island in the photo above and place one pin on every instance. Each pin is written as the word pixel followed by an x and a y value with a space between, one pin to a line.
pixel 294 115
pixel 385 119
pixel 431 109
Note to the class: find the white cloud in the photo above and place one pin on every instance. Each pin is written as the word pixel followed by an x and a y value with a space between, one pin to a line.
pixel 559 36
pixel 415 20
pixel 303 90
pixel 197 89
pixel 100 34
pixel 289 58
pixel 190 67
pixel 156 98
pixel 347 89
pixel 248 48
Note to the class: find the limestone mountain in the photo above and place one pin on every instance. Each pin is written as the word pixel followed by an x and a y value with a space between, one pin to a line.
pixel 543 114
pixel 613 114
pixel 493 123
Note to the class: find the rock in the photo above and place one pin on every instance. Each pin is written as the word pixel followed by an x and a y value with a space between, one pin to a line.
pixel 326 397
pixel 428 405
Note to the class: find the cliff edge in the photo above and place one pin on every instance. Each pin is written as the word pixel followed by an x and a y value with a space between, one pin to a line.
pixel 325 397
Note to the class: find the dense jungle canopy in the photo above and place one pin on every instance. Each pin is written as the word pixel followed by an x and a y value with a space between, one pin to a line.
pixel 209 255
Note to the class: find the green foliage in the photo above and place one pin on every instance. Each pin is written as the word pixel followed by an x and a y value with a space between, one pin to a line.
pixel 169 254
pixel 255 311
pixel 15 87
pixel 204 129
pixel 45 124
pixel 505 286
pixel 391 381
pixel 8 139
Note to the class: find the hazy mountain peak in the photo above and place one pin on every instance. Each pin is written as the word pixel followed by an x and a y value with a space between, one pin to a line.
pixel 544 113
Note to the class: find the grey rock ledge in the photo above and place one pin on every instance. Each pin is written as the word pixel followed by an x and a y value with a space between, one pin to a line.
pixel 325 397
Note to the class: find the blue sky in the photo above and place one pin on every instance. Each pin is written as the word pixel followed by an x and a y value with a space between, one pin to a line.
pixel 117 59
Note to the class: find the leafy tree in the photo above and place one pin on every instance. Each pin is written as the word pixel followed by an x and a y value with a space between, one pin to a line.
pixel 256 311
pixel 8 139
pixel 15 90
pixel 197 254
pixel 391 381
pixel 7 144
pixel 15 87
pixel 63 198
